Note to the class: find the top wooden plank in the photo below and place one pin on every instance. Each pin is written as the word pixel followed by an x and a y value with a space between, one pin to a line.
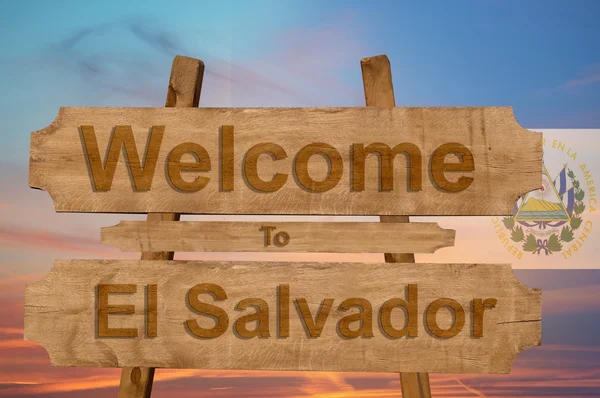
pixel 351 161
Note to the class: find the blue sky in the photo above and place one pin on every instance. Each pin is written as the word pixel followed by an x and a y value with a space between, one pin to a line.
pixel 541 57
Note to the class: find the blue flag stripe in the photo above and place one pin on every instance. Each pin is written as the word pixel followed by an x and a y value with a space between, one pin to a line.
pixel 562 178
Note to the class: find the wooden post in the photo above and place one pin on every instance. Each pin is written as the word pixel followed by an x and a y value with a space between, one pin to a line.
pixel 379 91
pixel 185 84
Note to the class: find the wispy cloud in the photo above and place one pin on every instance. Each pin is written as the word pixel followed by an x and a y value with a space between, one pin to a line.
pixel 301 67
pixel 572 118
pixel 588 75
pixel 21 237
pixel 471 390
pixel 131 72
pixel 40 238
pixel 583 299
pixel 318 57
pixel 137 70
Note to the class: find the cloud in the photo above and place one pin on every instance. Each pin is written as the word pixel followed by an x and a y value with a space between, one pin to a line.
pixel 21 237
pixel 471 390
pixel 129 57
pixel 533 377
pixel 15 284
pixel 588 75
pixel 111 67
pixel 316 58
pixel 583 299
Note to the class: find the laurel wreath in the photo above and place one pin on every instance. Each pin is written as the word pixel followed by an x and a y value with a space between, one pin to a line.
pixel 554 242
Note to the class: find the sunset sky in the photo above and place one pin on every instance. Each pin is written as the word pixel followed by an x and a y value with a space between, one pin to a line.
pixel 541 57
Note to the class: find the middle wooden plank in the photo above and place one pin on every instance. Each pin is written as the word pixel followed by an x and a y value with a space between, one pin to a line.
pixel 316 237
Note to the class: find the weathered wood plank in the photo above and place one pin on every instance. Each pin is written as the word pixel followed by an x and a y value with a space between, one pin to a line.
pixel 70 160
pixel 185 84
pixel 316 237
pixel 379 91
pixel 65 313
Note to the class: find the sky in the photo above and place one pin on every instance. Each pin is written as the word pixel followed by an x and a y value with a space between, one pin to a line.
pixel 540 57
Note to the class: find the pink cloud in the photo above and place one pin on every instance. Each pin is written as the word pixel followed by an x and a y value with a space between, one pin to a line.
pixel 571 300
pixel 39 239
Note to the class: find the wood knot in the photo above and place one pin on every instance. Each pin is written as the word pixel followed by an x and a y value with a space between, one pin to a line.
pixel 136 375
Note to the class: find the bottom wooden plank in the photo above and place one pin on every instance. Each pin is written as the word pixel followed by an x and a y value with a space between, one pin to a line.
pixel 372 317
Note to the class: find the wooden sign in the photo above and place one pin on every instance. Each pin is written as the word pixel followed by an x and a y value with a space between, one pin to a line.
pixel 457 318
pixel 323 237
pixel 361 161
pixel 380 160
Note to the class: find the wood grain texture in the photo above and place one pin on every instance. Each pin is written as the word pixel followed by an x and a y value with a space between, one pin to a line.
pixel 379 91
pixel 507 160
pixel 60 314
pixel 415 385
pixel 185 84
pixel 136 382
pixel 318 237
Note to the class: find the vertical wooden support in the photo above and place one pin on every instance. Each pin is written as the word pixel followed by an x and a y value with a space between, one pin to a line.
pixel 185 84
pixel 379 91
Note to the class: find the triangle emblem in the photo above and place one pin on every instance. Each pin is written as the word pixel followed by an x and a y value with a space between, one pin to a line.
pixel 544 204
